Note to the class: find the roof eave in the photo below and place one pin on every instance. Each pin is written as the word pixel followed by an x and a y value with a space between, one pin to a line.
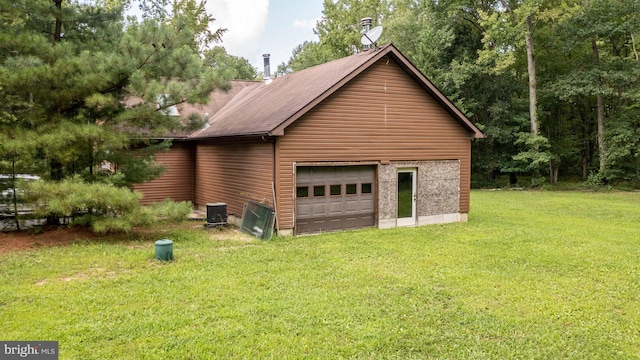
pixel 177 138
pixel 236 135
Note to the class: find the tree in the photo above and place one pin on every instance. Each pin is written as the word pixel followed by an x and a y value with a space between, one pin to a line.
pixel 601 78
pixel 230 67
pixel 187 16
pixel 69 72
pixel 509 28
pixel 306 55
pixel 339 31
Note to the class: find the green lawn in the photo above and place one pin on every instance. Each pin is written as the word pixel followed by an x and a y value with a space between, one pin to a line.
pixel 532 275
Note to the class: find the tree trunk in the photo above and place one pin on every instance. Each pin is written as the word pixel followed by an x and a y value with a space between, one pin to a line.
pixel 513 179
pixel 57 35
pixel 533 102
pixel 56 166
pixel 14 195
pixel 553 172
pixel 531 69
pixel 601 146
pixel 600 104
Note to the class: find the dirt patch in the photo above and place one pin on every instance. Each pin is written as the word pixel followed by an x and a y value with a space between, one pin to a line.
pixel 229 233
pixel 27 239
pixel 22 240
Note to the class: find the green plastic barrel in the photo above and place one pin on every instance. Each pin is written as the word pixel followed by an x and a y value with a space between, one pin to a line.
pixel 164 249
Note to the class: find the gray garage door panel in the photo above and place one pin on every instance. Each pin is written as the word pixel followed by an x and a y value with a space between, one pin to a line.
pixel 350 207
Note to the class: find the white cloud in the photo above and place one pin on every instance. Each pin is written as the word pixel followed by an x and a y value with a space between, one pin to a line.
pixel 245 21
pixel 305 24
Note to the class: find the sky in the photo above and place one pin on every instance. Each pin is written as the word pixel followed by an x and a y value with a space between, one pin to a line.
pixel 257 27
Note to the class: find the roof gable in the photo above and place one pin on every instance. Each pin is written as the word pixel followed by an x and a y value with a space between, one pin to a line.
pixel 262 109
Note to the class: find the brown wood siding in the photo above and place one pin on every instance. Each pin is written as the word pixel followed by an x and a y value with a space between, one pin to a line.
pixel 176 183
pixel 381 115
pixel 234 172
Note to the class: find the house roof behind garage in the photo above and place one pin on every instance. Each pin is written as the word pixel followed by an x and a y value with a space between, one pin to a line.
pixel 218 99
pixel 267 109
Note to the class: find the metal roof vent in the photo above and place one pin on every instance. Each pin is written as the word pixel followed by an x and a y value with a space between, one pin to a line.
pixel 206 120
pixel 162 104
pixel 366 26
pixel 267 69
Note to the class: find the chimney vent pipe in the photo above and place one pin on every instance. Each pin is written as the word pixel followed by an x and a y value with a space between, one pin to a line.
pixel 366 27
pixel 267 68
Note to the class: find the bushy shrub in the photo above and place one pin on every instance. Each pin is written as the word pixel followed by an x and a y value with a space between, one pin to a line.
pixel 481 181
pixel 169 210
pixel 103 207
pixel 73 197
pixel 595 179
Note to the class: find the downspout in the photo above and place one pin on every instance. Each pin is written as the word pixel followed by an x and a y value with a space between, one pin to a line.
pixel 274 180
pixel 273 184
pixel 193 149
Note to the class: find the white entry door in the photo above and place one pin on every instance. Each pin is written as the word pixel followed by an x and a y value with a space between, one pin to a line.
pixel 407 197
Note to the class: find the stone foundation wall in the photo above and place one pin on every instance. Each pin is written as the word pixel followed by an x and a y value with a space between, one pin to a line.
pixel 437 193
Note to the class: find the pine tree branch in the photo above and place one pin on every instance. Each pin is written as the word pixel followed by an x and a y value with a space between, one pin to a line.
pixel 168 105
pixel 120 84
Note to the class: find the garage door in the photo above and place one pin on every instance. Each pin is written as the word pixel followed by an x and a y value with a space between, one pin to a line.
pixel 332 198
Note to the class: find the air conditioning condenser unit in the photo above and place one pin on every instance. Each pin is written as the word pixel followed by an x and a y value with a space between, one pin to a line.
pixel 216 214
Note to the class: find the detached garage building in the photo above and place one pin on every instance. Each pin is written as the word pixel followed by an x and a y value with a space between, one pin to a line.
pixel 363 141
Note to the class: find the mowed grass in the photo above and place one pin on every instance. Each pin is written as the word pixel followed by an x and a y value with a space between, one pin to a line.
pixel 532 275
